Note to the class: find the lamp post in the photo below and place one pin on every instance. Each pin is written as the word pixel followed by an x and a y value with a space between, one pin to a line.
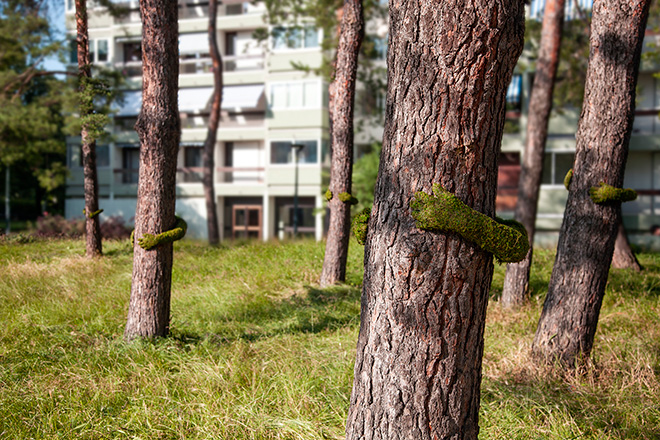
pixel 296 149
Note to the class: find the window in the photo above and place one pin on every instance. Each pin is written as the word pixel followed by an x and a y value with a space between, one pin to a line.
pixel 192 158
pixel 131 164
pixel 76 157
pixel 98 51
pixel 295 95
pixel 102 51
pixel 132 51
pixel 555 167
pixel 302 37
pixel 281 152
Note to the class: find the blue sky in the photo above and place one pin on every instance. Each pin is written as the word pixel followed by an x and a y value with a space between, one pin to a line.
pixel 56 19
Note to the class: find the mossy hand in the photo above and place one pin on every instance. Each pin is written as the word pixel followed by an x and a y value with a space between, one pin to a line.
pixel 328 195
pixel 150 241
pixel 348 198
pixel 567 179
pixel 604 193
pixel 444 212
pixel 93 214
pixel 359 225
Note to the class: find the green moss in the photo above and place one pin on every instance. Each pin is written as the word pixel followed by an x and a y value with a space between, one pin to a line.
pixel 567 179
pixel 604 193
pixel 93 214
pixel 360 224
pixel 150 241
pixel 444 212
pixel 347 198
pixel 328 195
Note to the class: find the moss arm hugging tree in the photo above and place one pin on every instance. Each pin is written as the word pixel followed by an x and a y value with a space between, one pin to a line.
pixel 442 211
pixel 150 241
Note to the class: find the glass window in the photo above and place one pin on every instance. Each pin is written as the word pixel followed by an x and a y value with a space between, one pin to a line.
pixel 281 152
pixel 298 94
pixel 73 51
pixel 295 95
pixel 102 48
pixel 306 37
pixel 279 38
pixel 311 37
pixel 555 167
pixel 193 156
pixel 102 156
pixel 92 50
pixel 131 162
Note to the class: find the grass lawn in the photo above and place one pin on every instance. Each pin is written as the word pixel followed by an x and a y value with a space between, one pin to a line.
pixel 259 352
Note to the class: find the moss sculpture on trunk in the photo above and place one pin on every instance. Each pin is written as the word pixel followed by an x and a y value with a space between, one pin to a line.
pixel 150 241
pixel 604 193
pixel 443 211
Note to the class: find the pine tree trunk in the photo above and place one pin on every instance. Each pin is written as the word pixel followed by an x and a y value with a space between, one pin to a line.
pixel 341 136
pixel 420 347
pixel 516 281
pixel 158 126
pixel 208 161
pixel 624 257
pixel 568 322
pixel 93 242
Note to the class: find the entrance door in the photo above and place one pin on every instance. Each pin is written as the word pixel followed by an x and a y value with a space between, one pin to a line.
pixel 246 221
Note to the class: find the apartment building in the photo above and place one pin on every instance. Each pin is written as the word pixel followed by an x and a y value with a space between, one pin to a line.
pixel 269 106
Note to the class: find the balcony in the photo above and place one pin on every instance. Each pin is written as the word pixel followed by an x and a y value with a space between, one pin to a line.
pixel 240 120
pixel 130 69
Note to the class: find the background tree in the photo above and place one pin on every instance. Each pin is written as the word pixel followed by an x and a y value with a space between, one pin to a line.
pixel 570 313
pixel 158 127
pixel 93 242
pixel 516 281
pixel 424 298
pixel 208 160
pixel 342 103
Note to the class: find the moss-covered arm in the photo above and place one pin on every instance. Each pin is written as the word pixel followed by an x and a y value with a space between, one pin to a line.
pixel 444 212
pixel 567 179
pixel 604 193
pixel 93 214
pixel 150 241
pixel 359 226
pixel 344 197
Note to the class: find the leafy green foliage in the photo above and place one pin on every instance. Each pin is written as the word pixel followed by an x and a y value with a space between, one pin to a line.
pixel 360 225
pixel 443 211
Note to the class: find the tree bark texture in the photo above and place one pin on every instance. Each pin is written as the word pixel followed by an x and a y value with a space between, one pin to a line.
pixel 624 257
pixel 208 161
pixel 93 241
pixel 424 298
pixel 568 321
pixel 516 281
pixel 341 136
pixel 158 127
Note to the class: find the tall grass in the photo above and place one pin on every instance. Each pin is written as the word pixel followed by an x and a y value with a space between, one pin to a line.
pixel 259 352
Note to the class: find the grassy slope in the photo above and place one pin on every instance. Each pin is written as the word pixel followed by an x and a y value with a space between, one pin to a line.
pixel 258 352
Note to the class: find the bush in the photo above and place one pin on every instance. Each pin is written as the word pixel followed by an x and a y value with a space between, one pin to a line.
pixel 56 226
pixel 114 228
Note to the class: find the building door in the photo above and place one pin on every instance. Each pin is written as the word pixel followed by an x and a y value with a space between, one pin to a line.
pixel 246 221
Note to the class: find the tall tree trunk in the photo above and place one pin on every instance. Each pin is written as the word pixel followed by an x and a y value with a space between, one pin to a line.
pixel 624 257
pixel 158 126
pixel 93 242
pixel 208 160
pixel 516 281
pixel 424 298
pixel 568 322
pixel 342 103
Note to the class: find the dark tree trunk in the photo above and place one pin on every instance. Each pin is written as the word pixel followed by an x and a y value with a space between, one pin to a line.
pixel 208 160
pixel 419 353
pixel 342 103
pixel 570 313
pixel 159 130
pixel 516 281
pixel 624 257
pixel 93 242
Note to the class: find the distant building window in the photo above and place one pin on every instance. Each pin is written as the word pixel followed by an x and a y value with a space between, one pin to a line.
pixel 555 167
pixel 281 152
pixel 305 37
pixel 131 164
pixel 102 51
pixel 76 156
pixel 297 94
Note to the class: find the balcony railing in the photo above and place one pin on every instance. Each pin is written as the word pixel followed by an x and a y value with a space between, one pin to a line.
pixel 232 175
pixel 195 66
pixel 126 175
pixel 242 63
pixel 245 120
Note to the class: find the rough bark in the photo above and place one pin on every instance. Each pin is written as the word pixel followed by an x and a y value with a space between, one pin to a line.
pixel 424 298
pixel 341 136
pixel 158 127
pixel 208 160
pixel 516 281
pixel 568 322
pixel 624 257
pixel 93 241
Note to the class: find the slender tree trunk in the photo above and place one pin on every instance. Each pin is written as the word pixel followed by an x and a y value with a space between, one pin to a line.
pixel 93 242
pixel 424 298
pixel 516 281
pixel 342 103
pixel 158 126
pixel 570 313
pixel 208 160
pixel 624 257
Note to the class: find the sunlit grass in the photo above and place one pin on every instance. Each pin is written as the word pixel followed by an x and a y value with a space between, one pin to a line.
pixel 257 351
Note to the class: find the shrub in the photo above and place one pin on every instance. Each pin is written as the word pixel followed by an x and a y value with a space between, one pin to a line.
pixel 114 228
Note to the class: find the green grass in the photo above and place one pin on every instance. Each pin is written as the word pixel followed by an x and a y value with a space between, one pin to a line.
pixel 259 352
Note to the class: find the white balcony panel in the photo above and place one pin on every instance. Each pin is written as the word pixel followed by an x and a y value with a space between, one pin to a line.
pixel 193 43
pixel 195 100
pixel 239 98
